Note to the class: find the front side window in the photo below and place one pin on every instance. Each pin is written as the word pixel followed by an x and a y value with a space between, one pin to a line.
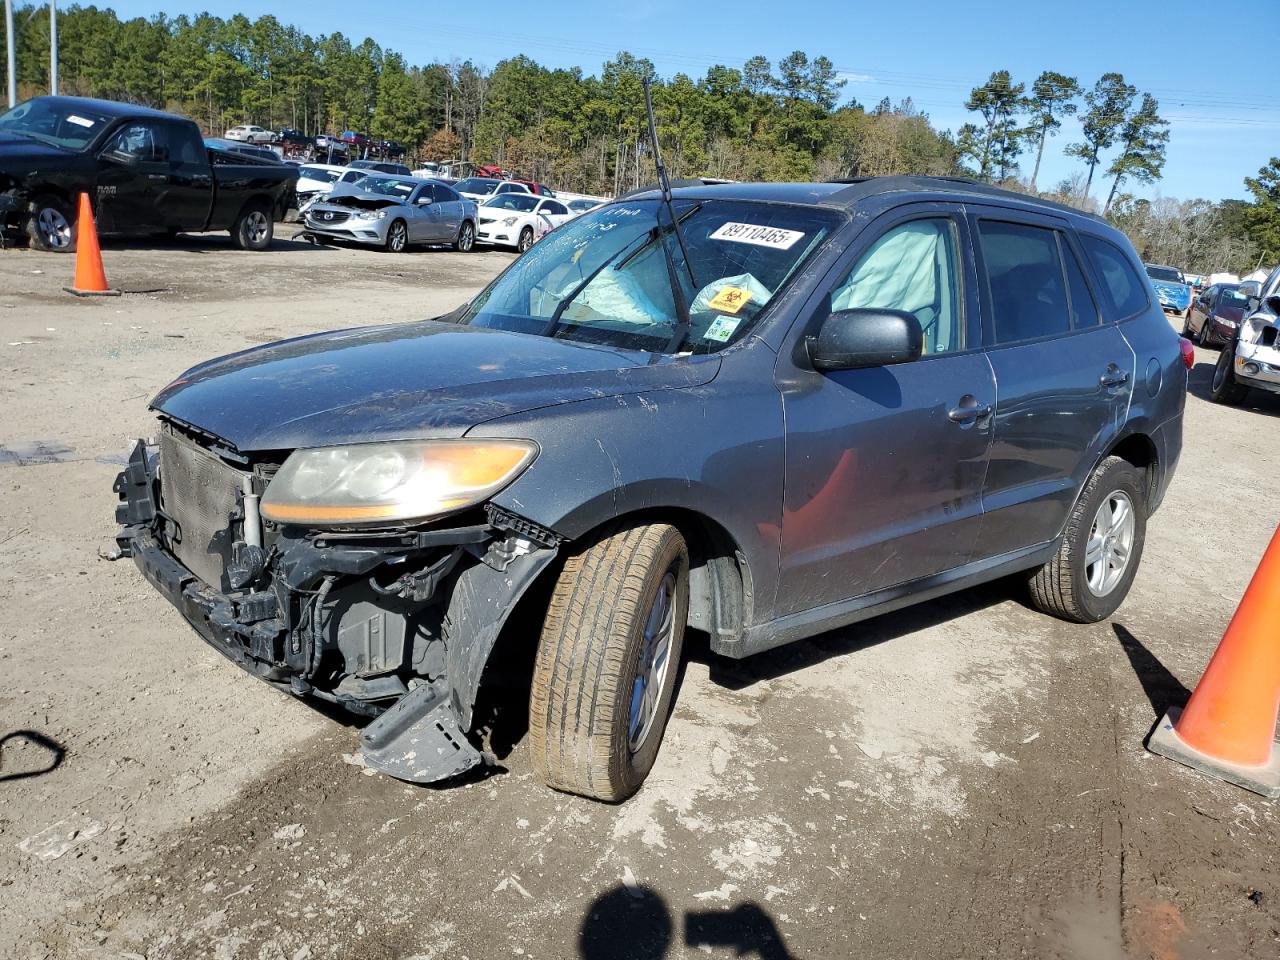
pixel 1123 290
pixel 1024 275
pixel 604 278
pixel 136 141
pixel 913 267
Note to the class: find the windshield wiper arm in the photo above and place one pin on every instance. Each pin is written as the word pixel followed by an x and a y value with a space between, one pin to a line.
pixel 553 324
pixel 683 321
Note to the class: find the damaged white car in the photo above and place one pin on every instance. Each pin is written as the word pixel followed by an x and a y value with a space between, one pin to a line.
pixel 1253 359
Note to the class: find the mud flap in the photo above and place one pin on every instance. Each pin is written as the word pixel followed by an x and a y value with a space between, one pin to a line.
pixel 418 739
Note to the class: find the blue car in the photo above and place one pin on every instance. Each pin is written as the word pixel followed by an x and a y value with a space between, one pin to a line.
pixel 1172 289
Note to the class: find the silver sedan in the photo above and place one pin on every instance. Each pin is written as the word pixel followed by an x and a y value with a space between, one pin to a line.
pixel 393 212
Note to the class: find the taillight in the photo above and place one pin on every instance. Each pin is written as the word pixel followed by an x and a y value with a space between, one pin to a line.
pixel 1188 352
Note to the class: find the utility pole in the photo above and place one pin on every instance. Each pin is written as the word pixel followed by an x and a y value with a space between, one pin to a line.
pixel 53 48
pixel 9 53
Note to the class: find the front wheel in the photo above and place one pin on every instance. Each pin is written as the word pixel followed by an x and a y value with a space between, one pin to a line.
pixel 466 237
pixel 51 226
pixel 1225 388
pixel 397 237
pixel 1203 338
pixel 1100 550
pixel 526 239
pixel 254 228
pixel 607 660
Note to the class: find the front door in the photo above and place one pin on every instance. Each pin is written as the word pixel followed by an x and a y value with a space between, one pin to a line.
pixel 885 465
pixel 129 178
pixel 1063 376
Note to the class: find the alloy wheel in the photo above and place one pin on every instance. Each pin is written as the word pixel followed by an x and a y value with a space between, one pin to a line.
pixel 1106 556
pixel 655 659
pixel 54 228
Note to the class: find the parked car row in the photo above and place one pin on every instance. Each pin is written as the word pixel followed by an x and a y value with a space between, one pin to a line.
pixel 392 212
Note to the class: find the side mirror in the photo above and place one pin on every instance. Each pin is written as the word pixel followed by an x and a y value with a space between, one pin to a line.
pixel 1251 290
pixel 851 339
pixel 423 201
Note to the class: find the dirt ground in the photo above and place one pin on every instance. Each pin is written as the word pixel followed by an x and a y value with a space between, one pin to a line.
pixel 965 778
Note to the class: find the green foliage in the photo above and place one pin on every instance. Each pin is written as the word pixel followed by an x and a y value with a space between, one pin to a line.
pixel 1052 98
pixel 1262 218
pixel 994 144
pixel 1143 138
pixel 1107 106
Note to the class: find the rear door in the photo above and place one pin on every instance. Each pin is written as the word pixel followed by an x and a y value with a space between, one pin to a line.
pixel 885 465
pixel 450 204
pixel 1063 376
pixel 184 198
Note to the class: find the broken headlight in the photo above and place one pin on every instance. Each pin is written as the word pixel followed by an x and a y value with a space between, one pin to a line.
pixel 389 482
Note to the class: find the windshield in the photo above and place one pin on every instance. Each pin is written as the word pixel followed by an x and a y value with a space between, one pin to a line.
pixel 60 125
pixel 520 202
pixel 318 174
pixel 1232 297
pixel 1164 273
pixel 476 185
pixel 603 277
pixel 386 186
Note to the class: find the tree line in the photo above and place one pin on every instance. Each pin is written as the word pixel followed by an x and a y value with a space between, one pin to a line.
pixel 787 120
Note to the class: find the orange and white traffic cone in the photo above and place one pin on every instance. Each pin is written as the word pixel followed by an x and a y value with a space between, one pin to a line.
pixel 1228 727
pixel 91 279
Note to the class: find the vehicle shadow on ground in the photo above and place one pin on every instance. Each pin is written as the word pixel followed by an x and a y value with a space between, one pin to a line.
pixel 771 664
pixel 12 766
pixel 203 243
pixel 1200 383
pixel 634 923
pixel 1162 688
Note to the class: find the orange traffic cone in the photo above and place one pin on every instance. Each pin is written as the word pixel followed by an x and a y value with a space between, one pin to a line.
pixel 1228 727
pixel 91 279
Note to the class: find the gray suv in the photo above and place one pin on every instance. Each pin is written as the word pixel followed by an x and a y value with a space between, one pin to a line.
pixel 762 411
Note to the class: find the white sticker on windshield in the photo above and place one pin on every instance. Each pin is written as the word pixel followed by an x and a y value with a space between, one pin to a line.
pixel 774 237
pixel 721 329
pixel 79 121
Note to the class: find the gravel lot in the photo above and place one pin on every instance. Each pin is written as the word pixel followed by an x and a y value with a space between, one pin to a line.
pixel 965 778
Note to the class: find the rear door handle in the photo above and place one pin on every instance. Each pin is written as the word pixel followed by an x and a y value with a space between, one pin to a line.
pixel 1113 378
pixel 157 177
pixel 969 409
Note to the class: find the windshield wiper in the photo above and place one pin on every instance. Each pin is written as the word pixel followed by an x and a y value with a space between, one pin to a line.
pixel 553 324
pixel 683 322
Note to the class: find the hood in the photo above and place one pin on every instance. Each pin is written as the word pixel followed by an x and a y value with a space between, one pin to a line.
pixel 17 152
pixel 407 381
pixel 361 201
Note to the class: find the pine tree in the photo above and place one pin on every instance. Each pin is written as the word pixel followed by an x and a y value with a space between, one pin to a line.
pixel 1262 217
pixel 1108 104
pixel 1052 98
pixel 1142 141
pixel 995 143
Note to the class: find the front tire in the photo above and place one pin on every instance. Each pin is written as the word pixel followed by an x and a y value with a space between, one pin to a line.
pixel 526 240
pixel 254 228
pixel 397 237
pixel 52 225
pixel 1225 388
pixel 466 237
pixel 607 660
pixel 1100 550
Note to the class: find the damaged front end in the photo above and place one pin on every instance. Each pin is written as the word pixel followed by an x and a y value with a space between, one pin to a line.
pixel 395 623
pixel 1257 352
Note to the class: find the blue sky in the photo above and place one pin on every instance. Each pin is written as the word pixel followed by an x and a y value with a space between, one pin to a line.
pixel 1205 63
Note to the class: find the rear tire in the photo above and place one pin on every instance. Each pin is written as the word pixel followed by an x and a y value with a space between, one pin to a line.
pixel 603 682
pixel 1097 559
pixel 254 228
pixel 1225 388
pixel 52 225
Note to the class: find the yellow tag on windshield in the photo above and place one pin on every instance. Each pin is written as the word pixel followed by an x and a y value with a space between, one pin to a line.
pixel 730 299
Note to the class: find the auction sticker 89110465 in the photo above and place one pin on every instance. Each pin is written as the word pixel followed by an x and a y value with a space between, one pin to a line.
pixel 761 236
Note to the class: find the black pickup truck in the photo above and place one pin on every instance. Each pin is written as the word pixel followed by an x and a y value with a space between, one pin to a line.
pixel 146 172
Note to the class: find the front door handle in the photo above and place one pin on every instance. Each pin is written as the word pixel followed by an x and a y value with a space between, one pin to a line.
pixel 1113 377
pixel 969 409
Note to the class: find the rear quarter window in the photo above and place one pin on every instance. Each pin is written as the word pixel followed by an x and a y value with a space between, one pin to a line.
pixel 1123 289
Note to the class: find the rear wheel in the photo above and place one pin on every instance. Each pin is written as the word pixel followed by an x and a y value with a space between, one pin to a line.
pixel 51 226
pixel 1225 388
pixel 254 228
pixel 397 237
pixel 607 662
pixel 466 237
pixel 1100 548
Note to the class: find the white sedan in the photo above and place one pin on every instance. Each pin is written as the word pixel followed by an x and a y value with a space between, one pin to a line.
pixel 518 219
pixel 250 133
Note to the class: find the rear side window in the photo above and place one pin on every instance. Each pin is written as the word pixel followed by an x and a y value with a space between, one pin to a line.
pixel 1084 312
pixel 1024 275
pixel 1124 291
